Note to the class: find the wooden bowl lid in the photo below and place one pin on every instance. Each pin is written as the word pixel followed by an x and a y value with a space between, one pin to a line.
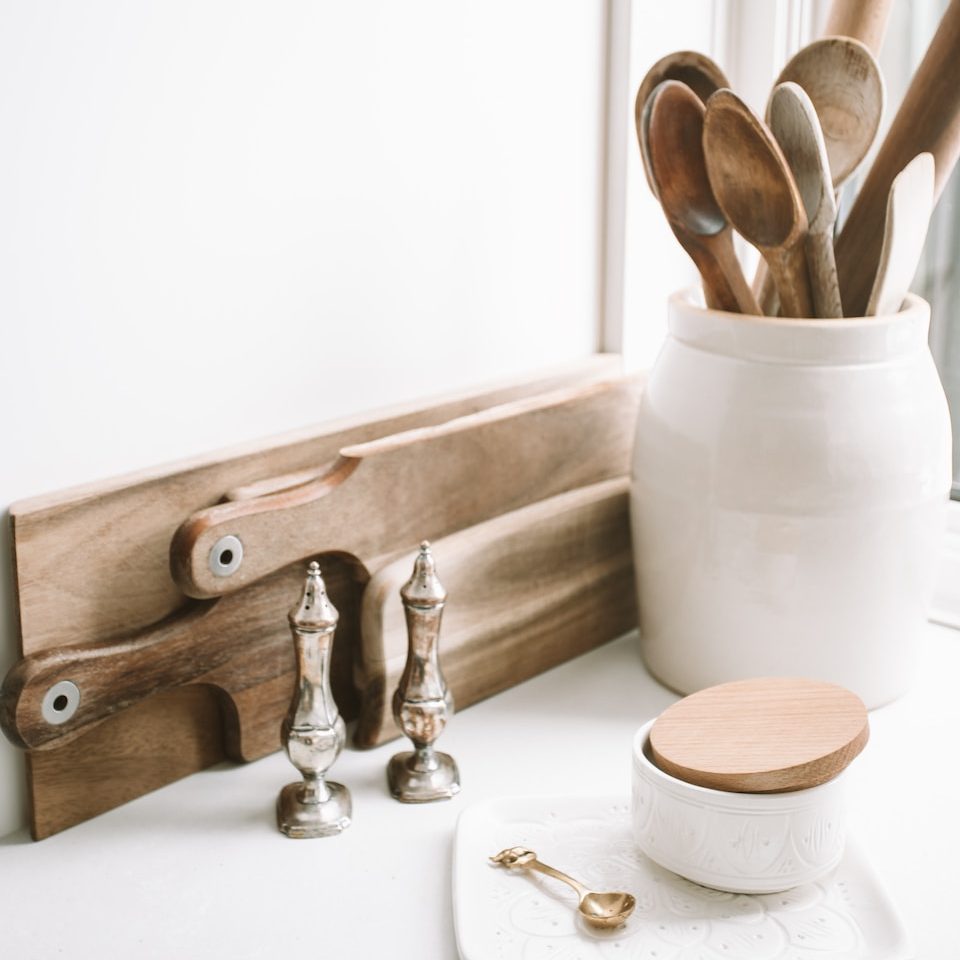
pixel 767 735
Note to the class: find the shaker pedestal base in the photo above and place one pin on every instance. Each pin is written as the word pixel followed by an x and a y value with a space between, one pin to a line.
pixel 303 821
pixel 410 785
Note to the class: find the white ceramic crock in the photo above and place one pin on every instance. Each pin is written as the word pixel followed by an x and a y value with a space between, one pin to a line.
pixel 737 842
pixel 788 498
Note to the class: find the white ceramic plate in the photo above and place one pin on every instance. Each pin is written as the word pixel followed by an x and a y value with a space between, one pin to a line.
pixel 505 914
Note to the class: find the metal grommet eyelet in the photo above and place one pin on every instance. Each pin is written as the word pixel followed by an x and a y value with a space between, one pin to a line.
pixel 226 555
pixel 60 702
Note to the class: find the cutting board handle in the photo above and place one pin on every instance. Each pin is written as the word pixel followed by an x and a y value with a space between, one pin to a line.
pixel 386 495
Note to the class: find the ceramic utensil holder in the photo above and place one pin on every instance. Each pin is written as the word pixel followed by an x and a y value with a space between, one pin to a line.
pixel 736 842
pixel 790 479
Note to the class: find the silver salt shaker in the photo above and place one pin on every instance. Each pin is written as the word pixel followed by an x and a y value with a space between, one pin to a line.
pixel 313 731
pixel 422 703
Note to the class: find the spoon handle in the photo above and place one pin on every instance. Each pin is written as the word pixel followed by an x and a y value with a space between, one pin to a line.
pixel 823 275
pixel 724 285
pixel 864 20
pixel 788 265
pixel 765 290
pixel 549 871
pixel 928 120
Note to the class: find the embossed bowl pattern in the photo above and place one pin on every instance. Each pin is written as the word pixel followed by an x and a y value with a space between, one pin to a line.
pixel 736 842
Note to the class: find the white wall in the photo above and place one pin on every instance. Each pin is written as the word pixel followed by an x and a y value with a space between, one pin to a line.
pixel 654 263
pixel 225 218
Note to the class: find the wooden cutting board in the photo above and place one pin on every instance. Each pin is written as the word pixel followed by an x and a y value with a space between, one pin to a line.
pixel 194 703
pixel 528 590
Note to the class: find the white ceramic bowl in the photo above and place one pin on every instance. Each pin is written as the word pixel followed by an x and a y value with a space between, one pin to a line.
pixel 737 842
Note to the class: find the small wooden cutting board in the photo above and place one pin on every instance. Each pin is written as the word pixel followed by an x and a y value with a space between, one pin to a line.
pixel 765 735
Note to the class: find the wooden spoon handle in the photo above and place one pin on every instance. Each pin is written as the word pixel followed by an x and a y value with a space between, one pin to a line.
pixel 724 285
pixel 928 120
pixel 864 20
pixel 788 265
pixel 110 676
pixel 765 290
pixel 823 275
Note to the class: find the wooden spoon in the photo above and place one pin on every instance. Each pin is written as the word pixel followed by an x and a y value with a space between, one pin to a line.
pixel 928 121
pixel 793 121
pixel 841 76
pixel 694 69
pixel 842 79
pixel 755 189
pixel 671 139
pixel 909 206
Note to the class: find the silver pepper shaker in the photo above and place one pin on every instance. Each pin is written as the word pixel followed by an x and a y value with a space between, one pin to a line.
pixel 422 703
pixel 313 731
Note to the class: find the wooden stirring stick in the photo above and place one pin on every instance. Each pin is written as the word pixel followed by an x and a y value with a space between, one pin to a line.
pixel 928 121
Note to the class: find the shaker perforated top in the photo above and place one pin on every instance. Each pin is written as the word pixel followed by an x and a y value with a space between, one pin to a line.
pixel 765 735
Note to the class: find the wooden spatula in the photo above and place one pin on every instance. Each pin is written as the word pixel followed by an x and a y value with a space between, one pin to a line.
pixel 928 121
pixel 766 735
pixel 908 215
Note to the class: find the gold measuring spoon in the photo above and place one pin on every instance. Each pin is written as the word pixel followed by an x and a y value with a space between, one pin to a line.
pixel 598 909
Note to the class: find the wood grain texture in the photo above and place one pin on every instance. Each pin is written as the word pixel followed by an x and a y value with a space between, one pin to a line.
pixel 450 477
pixel 671 142
pixel 528 590
pixel 928 120
pixel 793 121
pixel 753 184
pixel 864 20
pixel 843 81
pixel 764 735
pixel 167 737
pixel 114 536
pixel 904 233
pixel 694 69
pixel 116 533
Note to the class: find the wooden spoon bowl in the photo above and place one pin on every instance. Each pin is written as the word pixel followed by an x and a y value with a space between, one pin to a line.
pixel 696 70
pixel 671 140
pixel 842 78
pixel 758 194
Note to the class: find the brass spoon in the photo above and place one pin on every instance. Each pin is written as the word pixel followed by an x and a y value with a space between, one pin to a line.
pixel 694 69
pixel 671 140
pixel 755 189
pixel 598 909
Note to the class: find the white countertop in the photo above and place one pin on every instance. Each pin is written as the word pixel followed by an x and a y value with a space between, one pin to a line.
pixel 198 869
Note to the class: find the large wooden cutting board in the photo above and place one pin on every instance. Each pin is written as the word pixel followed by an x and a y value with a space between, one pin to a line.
pixel 116 537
